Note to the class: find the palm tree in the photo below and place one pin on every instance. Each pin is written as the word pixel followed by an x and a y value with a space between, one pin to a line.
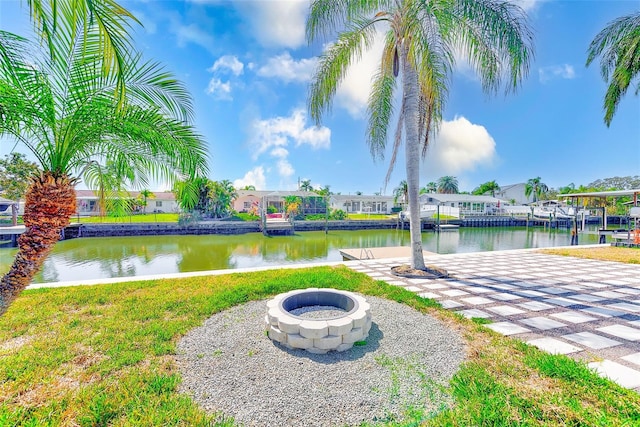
pixel 419 46
pixel 618 45
pixel 305 185
pixel 109 19
pixel 146 194
pixel 249 187
pixel 221 195
pixel 431 187
pixel 63 111
pixel 488 187
pixel 536 187
pixel 448 185
pixel 401 192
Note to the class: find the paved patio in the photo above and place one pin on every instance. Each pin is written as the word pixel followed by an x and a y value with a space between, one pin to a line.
pixel 586 309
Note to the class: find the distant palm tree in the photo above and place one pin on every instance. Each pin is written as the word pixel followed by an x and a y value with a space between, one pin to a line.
pixel 567 189
pixel 618 45
pixel 249 187
pixel 431 187
pixel 448 185
pixel 488 187
pixel 536 187
pixel 305 185
pixel 146 195
pixel 63 110
pixel 401 192
pixel 420 40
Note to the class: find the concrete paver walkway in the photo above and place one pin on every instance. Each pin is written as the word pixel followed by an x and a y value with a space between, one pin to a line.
pixel 586 309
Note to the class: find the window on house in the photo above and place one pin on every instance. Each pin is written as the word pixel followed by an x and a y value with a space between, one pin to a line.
pixel 158 203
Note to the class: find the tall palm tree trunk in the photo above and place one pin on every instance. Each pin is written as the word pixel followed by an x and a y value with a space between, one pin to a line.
pixel 412 152
pixel 50 201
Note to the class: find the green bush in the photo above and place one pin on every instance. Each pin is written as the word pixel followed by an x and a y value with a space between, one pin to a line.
pixel 244 216
pixel 338 214
pixel 272 209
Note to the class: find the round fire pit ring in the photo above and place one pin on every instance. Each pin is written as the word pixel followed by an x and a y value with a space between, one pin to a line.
pixel 318 320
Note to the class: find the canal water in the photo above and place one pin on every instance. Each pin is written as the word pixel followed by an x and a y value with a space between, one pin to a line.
pixel 106 257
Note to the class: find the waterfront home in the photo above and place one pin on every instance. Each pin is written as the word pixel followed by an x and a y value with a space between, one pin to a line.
pixel 458 205
pixel 274 201
pixel 313 203
pixel 160 202
pixel 360 203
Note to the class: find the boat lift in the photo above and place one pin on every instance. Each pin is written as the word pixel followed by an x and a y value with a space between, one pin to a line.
pixel 632 237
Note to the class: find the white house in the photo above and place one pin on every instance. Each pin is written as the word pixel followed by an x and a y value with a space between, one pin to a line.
pixel 514 192
pixel 362 203
pixel 160 201
pixel 248 200
pixel 463 204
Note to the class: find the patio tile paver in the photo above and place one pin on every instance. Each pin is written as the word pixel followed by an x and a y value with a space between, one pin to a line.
pixel 505 310
pixel 573 316
pixel 621 374
pixel 583 308
pixel 543 323
pixel 507 328
pixel 622 331
pixel 633 358
pixel 591 340
pixel 554 346
pixel 477 300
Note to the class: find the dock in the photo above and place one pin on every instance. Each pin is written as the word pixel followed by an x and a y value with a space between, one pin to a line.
pixel 277 226
pixel 447 227
pixel 378 253
pixel 9 235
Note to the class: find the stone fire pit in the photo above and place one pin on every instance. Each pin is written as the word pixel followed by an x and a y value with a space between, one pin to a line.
pixel 318 320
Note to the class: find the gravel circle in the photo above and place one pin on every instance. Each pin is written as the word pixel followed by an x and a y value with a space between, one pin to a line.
pixel 230 366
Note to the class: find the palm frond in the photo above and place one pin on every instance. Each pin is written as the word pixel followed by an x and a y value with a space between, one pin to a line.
pixel 618 45
pixel 111 19
pixel 328 16
pixel 496 39
pixel 381 99
pixel 334 64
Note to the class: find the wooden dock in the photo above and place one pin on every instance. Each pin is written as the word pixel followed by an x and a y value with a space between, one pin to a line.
pixel 9 235
pixel 277 226
pixel 378 253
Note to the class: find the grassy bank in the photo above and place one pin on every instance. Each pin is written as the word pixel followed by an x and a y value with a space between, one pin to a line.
pixel 102 355
pixel 605 253
pixel 149 217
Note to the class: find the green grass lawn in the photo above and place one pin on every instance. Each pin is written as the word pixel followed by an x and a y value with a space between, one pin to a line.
pixel 102 355
pixel 149 217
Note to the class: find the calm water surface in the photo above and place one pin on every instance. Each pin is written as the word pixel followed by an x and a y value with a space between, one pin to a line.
pixel 94 258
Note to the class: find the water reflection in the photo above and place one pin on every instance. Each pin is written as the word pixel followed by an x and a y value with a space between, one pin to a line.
pixel 92 258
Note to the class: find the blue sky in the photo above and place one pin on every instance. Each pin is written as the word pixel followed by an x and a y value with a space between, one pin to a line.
pixel 248 66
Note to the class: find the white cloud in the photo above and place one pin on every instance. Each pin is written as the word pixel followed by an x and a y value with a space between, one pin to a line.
pixel 276 23
pixel 460 146
pixel 228 62
pixel 528 5
pixel 191 34
pixel 285 169
pixel 288 69
pixel 219 89
pixel 275 136
pixel 564 71
pixel 149 25
pixel 253 177
pixel 280 152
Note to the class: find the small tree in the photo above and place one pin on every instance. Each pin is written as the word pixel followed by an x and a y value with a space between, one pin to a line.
pixel 15 174
pixel 144 196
